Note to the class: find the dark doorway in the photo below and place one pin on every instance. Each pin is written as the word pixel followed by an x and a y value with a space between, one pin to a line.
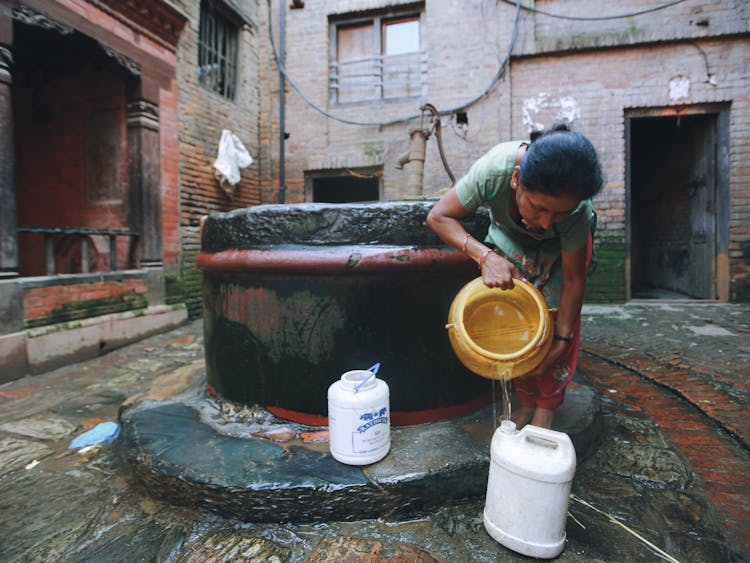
pixel 343 188
pixel 70 98
pixel 673 219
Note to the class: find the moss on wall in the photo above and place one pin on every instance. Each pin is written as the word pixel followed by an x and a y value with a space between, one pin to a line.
pixel 91 308
pixel 173 292
pixel 607 282
pixel 741 292
pixel 191 280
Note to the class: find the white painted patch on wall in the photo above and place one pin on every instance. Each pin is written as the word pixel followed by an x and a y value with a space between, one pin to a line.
pixel 679 89
pixel 543 105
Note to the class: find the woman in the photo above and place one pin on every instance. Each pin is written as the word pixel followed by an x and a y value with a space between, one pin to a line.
pixel 542 224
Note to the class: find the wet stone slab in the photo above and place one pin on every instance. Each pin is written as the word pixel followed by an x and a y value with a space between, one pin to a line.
pixel 183 460
pixel 41 427
pixel 356 549
pixel 76 507
pixel 659 465
pixel 431 463
pixel 639 485
pixel 70 504
pixel 186 461
pixel 185 457
pixel 189 449
pixel 16 453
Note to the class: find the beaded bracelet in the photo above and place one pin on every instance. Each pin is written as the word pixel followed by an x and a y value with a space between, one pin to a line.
pixel 466 240
pixel 483 256
pixel 561 338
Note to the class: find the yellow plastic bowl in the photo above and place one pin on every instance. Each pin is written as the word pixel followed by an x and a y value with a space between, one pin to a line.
pixel 499 333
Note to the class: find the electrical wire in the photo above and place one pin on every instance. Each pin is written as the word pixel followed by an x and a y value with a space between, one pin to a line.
pixel 495 80
pixel 595 18
pixel 500 71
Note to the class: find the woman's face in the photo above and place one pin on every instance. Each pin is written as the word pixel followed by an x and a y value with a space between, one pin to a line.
pixel 538 211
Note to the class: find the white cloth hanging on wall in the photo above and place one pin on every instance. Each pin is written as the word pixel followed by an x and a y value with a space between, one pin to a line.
pixel 232 157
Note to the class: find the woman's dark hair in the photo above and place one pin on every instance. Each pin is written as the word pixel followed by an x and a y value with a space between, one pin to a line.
pixel 560 161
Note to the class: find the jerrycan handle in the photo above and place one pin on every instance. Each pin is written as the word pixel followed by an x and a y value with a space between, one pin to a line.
pixel 539 441
pixel 542 436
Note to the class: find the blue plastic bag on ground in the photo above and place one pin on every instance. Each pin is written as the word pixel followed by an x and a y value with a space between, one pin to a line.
pixel 99 434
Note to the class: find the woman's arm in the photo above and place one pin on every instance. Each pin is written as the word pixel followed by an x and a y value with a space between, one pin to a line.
pixel 444 218
pixel 571 301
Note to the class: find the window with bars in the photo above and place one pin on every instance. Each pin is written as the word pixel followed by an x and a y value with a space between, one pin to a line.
pixel 217 50
pixel 379 57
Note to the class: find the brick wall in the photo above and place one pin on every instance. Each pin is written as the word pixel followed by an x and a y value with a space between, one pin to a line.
pixel 691 19
pixel 170 147
pixel 594 73
pixel 191 119
pixel 608 85
pixel 202 117
pixel 58 303
pixel 70 97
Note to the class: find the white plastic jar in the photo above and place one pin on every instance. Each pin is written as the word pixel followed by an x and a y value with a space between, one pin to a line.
pixel 359 418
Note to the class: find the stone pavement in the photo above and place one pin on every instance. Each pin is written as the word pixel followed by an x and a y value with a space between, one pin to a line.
pixel 671 466
pixel 688 368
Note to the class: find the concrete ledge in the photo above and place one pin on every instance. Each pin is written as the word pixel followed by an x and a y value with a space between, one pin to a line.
pixel 46 348
pixel 13 364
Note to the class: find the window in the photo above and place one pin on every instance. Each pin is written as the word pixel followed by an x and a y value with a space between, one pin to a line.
pixel 344 185
pixel 377 58
pixel 217 50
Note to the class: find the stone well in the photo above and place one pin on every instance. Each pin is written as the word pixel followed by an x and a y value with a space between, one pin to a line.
pixel 295 295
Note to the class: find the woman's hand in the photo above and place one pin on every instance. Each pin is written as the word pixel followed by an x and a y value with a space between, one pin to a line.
pixel 553 357
pixel 497 271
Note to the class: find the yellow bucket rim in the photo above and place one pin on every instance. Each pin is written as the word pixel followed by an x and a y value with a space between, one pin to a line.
pixel 534 342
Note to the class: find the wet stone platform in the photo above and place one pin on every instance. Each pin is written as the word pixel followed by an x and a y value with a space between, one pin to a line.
pixel 668 466
pixel 192 449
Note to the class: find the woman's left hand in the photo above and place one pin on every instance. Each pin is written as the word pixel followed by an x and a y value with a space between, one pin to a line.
pixel 563 320
pixel 553 357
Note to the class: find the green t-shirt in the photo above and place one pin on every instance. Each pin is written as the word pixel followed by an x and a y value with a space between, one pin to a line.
pixel 536 255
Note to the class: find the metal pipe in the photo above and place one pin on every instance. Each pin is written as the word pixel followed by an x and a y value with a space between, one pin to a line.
pixel 84 255
pixel 415 165
pixel 282 109
pixel 113 253
pixel 49 253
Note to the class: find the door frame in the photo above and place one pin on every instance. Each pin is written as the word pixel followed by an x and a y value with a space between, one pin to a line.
pixel 721 111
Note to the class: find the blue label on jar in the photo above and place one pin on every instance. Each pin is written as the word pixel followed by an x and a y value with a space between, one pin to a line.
pixel 373 418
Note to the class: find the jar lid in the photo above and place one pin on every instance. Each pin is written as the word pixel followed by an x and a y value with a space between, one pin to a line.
pixel 358 380
pixel 508 427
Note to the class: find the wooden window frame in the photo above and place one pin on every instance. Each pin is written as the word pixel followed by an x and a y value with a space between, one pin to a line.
pixel 218 47
pixel 378 23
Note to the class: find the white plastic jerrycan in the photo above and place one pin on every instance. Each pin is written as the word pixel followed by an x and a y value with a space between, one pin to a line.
pixel 359 418
pixel 528 489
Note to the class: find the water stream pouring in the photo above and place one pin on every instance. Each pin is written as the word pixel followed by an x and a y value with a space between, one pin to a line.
pixel 502 334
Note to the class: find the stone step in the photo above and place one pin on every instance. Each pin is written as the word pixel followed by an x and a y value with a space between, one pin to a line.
pixel 184 457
